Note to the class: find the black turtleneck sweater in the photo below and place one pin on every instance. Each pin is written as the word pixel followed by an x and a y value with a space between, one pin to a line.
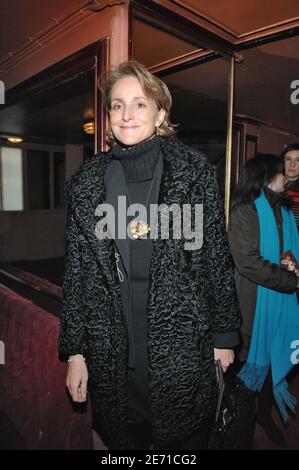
pixel 139 163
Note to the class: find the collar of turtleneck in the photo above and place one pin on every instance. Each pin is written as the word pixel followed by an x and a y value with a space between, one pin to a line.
pixel 139 161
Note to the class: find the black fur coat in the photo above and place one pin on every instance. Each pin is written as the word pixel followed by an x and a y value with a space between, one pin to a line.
pixel 192 302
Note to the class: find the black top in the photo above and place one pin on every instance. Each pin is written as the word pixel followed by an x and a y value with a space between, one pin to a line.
pixel 139 163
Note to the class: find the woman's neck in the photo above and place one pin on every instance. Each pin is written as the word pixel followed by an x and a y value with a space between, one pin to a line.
pixel 140 160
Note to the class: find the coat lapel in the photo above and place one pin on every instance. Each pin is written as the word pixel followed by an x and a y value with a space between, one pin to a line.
pixel 115 185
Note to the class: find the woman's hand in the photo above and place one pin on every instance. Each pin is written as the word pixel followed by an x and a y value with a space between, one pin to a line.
pixel 225 356
pixel 76 379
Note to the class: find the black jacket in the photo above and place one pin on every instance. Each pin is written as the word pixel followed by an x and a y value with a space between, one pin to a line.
pixel 192 302
pixel 251 267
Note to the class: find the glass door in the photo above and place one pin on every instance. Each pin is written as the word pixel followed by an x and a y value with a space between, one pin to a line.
pixel 198 77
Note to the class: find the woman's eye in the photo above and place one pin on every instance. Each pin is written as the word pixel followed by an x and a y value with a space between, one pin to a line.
pixel 140 105
pixel 116 106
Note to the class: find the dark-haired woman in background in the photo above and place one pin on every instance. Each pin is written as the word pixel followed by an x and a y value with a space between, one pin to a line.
pixel 261 229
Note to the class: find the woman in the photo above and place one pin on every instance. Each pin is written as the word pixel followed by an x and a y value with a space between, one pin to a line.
pixel 145 313
pixel 261 229
pixel 290 155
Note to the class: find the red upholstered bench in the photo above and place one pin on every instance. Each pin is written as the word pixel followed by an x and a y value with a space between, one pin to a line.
pixel 33 397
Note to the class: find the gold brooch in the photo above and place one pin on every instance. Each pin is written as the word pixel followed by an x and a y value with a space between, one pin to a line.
pixel 139 228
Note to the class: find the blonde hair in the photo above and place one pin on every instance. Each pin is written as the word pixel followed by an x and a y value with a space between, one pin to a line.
pixel 152 87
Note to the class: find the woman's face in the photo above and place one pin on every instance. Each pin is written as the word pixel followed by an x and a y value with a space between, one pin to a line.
pixel 133 116
pixel 277 184
pixel 291 164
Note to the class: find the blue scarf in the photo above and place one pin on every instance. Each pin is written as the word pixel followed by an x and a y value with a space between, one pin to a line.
pixel 276 320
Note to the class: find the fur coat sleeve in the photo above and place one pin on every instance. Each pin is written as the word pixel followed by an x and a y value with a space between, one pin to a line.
pixel 72 331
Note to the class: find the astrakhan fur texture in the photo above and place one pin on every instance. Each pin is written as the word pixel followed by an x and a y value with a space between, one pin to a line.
pixel 191 297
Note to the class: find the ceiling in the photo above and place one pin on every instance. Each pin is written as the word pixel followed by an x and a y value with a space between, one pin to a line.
pixel 237 20
pixel 262 79
pixel 233 20
pixel 31 19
